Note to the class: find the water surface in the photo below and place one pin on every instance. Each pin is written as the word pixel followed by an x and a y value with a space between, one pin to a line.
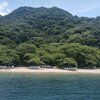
pixel 25 86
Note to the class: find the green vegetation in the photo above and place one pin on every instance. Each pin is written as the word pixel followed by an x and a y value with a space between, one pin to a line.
pixel 49 36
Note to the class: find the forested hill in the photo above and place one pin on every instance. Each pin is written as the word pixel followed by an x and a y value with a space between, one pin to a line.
pixel 44 29
pixel 29 24
pixel 50 25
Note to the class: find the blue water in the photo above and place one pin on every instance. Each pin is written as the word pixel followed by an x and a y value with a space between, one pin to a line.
pixel 49 86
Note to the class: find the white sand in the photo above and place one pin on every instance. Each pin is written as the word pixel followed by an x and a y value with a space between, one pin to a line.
pixel 93 71
pixel 27 70
pixel 24 69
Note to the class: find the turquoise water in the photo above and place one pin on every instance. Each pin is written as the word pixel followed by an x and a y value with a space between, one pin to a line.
pixel 49 87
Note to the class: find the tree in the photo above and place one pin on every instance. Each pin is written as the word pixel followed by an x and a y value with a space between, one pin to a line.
pixel 31 59
pixel 8 56
pixel 82 54
pixel 68 62
pixel 58 58
pixel 47 59
pixel 25 48
pixel 75 38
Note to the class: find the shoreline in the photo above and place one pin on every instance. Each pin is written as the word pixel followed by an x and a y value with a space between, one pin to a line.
pixel 47 70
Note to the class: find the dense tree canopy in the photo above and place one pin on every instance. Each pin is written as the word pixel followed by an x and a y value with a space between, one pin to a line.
pixel 50 36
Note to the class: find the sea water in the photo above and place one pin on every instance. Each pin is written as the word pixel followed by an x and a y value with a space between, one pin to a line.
pixel 28 86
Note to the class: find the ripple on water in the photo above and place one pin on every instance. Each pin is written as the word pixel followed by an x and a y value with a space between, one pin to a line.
pixel 19 86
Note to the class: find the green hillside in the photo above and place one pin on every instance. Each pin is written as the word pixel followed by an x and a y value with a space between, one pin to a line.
pixel 50 36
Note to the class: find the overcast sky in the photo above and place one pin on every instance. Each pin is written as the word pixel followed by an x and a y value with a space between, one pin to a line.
pixel 88 8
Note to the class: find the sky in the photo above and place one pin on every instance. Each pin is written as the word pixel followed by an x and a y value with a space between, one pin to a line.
pixel 87 8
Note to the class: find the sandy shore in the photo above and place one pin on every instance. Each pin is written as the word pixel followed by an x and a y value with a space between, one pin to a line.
pixel 27 70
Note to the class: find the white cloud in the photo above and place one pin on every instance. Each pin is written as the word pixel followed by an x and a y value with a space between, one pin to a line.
pixel 82 10
pixel 85 10
pixel 4 8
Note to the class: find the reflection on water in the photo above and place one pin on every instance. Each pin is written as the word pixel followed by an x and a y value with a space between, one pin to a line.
pixel 27 86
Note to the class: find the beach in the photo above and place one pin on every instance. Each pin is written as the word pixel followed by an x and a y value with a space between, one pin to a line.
pixel 51 70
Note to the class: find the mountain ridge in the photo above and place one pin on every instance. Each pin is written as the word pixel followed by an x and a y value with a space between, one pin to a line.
pixel 56 24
